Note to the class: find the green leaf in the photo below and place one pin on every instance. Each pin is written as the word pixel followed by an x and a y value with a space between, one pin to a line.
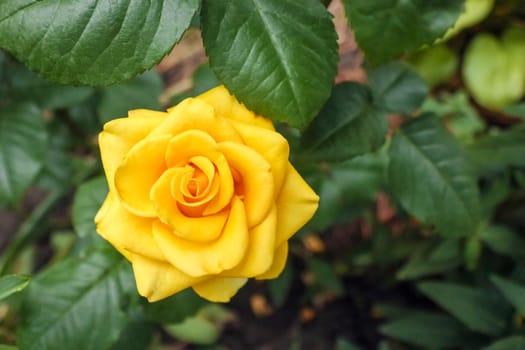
pixel 431 178
pixel 23 141
pixel 445 257
pixel 279 57
pixel 512 291
pixel 26 85
pixel 385 29
pixel 430 331
pixel 499 81
pixel 92 42
pixel 496 151
pixel 436 64
pixel 462 119
pixel 87 202
pixel 175 308
pixel 77 304
pixel 203 328
pixel 138 333
pixel 504 241
pixel 396 88
pixel 141 92
pixel 347 126
pixel 516 342
pixel 478 309
pixel 10 284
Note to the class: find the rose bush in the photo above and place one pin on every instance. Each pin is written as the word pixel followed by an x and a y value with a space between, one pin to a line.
pixel 200 196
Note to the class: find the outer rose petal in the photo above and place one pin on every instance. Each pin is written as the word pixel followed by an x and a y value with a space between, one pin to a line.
pixel 138 172
pixel 146 113
pixel 296 204
pixel 279 262
pixel 119 135
pixel 271 145
pixel 194 114
pixel 199 259
pixel 227 106
pixel 256 180
pixel 219 289
pixel 125 230
pixel 261 249
pixel 157 280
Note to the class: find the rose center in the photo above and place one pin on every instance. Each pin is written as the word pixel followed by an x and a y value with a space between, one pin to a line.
pixel 197 184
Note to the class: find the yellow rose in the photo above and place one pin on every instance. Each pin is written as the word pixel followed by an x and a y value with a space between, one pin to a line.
pixel 202 196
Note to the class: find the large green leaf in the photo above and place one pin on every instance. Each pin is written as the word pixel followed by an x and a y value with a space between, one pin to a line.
pixel 10 284
pixel 92 42
pixel 397 88
pixel 385 29
pixel 77 304
pixel 347 126
pixel 478 309
pixel 431 178
pixel 430 331
pixel 279 57
pixel 23 140
pixel 513 292
pixel 88 199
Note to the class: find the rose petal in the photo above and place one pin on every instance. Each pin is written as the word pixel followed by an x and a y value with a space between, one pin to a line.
pixel 256 180
pixel 125 230
pixel 296 204
pixel 261 248
pixel 194 114
pixel 219 289
pixel 137 173
pixel 182 148
pixel 197 229
pixel 119 136
pixel 227 106
pixel 158 280
pixel 269 144
pixel 146 113
pixel 197 259
pixel 279 262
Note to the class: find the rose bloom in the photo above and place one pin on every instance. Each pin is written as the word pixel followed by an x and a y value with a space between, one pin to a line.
pixel 200 196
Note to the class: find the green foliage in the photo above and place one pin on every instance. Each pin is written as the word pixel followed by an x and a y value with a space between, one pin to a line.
pixel 432 179
pixel 418 241
pixel 64 305
pixel 141 92
pixel 347 126
pixel 430 331
pixel 405 26
pixel 92 42
pixel 88 199
pixel 23 141
pixel 10 284
pixel 501 80
pixel 278 57
pixel 396 88
pixel 477 308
